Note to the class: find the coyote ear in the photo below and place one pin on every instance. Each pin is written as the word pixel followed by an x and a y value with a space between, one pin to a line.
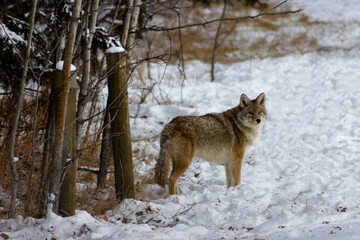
pixel 261 99
pixel 244 101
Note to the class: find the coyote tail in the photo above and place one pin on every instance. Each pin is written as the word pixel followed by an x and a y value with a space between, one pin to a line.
pixel 162 166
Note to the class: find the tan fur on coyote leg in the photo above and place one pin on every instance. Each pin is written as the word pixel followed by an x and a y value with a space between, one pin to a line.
pixel 236 168
pixel 180 161
pixel 229 175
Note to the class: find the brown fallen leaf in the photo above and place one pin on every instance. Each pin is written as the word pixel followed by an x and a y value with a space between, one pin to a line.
pixel 4 236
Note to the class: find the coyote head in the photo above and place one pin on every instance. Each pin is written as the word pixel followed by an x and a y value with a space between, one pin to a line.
pixel 253 112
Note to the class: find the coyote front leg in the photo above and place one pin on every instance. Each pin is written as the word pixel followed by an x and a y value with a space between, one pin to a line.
pixel 229 176
pixel 235 168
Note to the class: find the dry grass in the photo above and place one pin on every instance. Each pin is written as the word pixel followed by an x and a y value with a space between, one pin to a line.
pixel 266 36
pixel 96 201
pixel 24 149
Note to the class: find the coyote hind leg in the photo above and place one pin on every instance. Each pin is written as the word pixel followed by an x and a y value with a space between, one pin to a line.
pixel 179 167
pixel 181 159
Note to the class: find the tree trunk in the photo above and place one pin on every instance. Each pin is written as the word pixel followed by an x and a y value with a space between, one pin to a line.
pixel 127 20
pixel 216 43
pixel 28 200
pixel 133 24
pixel 14 173
pixel 86 73
pixel 57 164
pixel 48 149
pixel 67 200
pixel 120 125
pixel 105 150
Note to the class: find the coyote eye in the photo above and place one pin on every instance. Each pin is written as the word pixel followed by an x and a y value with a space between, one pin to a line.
pixel 250 113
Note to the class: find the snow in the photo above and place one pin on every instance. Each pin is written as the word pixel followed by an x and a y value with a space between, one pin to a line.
pixel 300 180
pixel 60 66
pixel 5 33
pixel 115 49
pixel 330 10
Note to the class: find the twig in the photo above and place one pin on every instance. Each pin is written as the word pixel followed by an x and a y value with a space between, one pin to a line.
pixel 186 210
pixel 216 45
pixel 203 24
pixel 87 169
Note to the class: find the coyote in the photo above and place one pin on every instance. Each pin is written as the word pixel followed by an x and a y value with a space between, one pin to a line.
pixel 216 137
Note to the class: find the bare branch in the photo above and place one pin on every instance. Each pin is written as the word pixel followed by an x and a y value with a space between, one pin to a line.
pixel 203 24
pixel 216 45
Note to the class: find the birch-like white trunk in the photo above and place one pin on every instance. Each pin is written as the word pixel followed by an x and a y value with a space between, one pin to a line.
pixel 133 24
pixel 127 19
pixel 86 72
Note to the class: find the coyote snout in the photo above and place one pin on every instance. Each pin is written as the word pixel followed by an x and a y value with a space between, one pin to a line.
pixel 216 137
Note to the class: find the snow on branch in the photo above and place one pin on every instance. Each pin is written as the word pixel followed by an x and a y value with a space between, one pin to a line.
pixel 6 33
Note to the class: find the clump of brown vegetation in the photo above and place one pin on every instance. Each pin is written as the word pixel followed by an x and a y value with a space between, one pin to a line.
pixel 266 36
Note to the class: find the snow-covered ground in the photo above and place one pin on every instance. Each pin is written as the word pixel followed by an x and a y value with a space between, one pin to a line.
pixel 330 10
pixel 300 180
